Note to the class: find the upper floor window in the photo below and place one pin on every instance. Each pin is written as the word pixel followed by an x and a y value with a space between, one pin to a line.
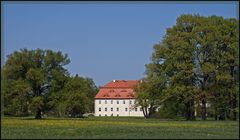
pixel 111 101
pixel 117 102
pixel 105 109
pixel 130 102
pixel 123 101
pixel 135 102
pixel 105 101
pixel 99 101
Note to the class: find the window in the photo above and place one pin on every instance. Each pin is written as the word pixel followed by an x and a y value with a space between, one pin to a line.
pixel 111 109
pixel 140 109
pixel 111 101
pixel 135 109
pixel 125 109
pixel 123 101
pixel 130 102
pixel 105 114
pixel 99 108
pixel 105 101
pixel 117 114
pixel 117 109
pixel 99 101
pixel 135 102
pixel 100 115
pixel 105 109
pixel 117 102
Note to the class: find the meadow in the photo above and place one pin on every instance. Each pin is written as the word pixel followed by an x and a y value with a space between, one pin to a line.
pixel 116 127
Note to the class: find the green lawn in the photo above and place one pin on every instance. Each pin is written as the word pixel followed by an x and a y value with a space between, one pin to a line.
pixel 120 127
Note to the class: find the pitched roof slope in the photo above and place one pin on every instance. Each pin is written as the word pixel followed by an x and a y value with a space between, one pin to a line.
pixel 117 89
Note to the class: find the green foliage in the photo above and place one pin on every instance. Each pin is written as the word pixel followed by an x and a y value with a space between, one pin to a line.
pixel 194 65
pixel 35 81
pixel 74 99
pixel 37 103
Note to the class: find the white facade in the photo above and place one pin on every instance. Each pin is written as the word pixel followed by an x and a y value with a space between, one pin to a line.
pixel 117 107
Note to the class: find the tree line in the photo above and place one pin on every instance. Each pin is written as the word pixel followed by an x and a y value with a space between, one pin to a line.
pixel 35 82
pixel 194 71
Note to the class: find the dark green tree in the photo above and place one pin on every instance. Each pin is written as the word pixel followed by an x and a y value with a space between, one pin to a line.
pixel 197 65
pixel 32 74
pixel 74 99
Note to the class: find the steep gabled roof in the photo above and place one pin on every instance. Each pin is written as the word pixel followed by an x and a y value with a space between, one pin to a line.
pixel 117 89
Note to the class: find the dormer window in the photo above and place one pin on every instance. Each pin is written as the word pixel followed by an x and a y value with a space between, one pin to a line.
pixel 111 90
pixel 117 95
pixel 106 95
pixel 130 95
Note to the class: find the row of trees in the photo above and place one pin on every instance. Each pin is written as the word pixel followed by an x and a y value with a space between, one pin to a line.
pixel 194 70
pixel 35 82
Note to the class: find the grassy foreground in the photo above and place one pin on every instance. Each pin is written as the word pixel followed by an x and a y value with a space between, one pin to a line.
pixel 122 128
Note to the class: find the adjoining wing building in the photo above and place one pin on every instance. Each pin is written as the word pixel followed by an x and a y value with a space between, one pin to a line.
pixel 117 98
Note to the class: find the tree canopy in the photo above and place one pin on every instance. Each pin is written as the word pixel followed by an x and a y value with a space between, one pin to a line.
pixel 194 69
pixel 32 77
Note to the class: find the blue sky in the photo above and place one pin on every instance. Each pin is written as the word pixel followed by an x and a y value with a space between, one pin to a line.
pixel 104 41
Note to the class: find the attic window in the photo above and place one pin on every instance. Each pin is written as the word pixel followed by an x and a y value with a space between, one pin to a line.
pixel 117 95
pixel 106 95
pixel 111 90
pixel 123 90
pixel 130 95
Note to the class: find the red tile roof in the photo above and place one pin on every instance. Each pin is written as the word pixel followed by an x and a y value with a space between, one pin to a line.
pixel 117 89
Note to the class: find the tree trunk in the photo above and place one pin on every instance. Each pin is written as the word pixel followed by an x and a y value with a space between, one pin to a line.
pixel 38 114
pixel 187 114
pixel 215 115
pixel 203 109
pixel 189 110
pixel 144 112
pixel 232 114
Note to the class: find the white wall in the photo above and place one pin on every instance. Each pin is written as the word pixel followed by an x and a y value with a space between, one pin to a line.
pixel 112 103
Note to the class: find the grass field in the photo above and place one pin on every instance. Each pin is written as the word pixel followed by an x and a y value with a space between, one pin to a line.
pixel 122 128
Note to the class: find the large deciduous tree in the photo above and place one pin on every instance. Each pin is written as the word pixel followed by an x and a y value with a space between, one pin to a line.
pixel 197 65
pixel 28 76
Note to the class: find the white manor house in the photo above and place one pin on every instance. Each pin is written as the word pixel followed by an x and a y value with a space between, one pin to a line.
pixel 117 98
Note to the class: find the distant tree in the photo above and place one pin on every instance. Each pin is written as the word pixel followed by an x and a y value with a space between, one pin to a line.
pixel 28 76
pixel 74 99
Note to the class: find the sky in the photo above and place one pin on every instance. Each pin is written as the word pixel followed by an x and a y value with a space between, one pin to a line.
pixel 104 41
